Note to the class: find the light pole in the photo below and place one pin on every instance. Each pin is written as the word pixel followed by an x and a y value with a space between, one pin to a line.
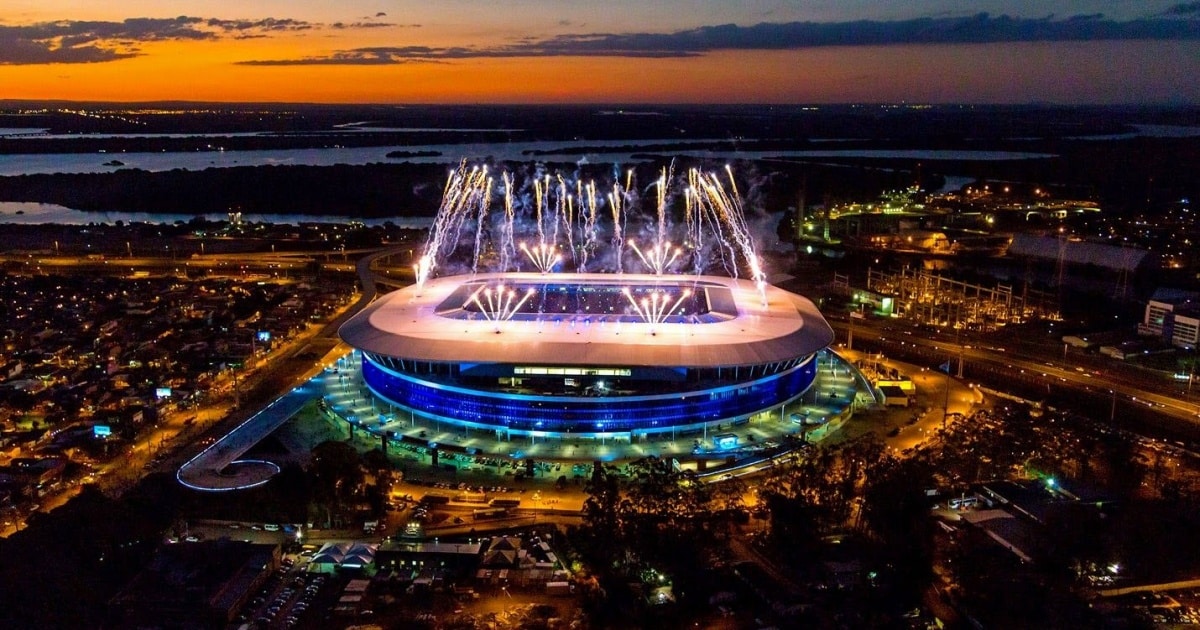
pixel 1191 373
pixel 537 497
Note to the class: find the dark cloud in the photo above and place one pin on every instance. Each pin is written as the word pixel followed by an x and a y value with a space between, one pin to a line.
pixel 980 28
pixel 1185 9
pixel 410 54
pixel 68 41
pixel 78 41
pixel 343 25
pixel 264 25
pixel 17 50
pixel 363 57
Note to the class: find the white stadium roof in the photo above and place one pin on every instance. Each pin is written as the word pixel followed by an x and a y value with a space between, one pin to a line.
pixel 407 324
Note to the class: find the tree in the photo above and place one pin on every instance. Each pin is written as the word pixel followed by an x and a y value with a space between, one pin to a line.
pixel 729 495
pixel 601 531
pixel 291 491
pixel 1126 469
pixel 376 463
pixel 337 476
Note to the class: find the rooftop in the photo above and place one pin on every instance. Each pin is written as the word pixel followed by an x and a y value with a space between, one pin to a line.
pixel 737 325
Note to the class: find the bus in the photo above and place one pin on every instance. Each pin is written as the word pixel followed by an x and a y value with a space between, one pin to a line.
pixel 486 513
pixel 469 496
pixel 505 503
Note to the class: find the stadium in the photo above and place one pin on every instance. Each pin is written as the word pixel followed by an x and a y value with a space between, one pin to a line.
pixel 587 354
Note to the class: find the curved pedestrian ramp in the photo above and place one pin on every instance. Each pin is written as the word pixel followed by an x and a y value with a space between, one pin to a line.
pixel 219 468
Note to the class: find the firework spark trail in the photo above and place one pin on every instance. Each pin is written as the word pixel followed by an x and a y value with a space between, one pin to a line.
pixel 539 192
pixel 701 220
pixel 661 208
pixel 586 194
pixel 657 258
pixel 500 303
pixel 443 224
pixel 552 204
pixel 564 217
pixel 656 307
pixel 742 232
pixel 484 204
pixel 614 202
pixel 713 215
pixel 570 230
pixel 691 224
pixel 543 257
pixel 727 213
pixel 508 248
pixel 426 262
pixel 708 220
pixel 590 221
pixel 461 203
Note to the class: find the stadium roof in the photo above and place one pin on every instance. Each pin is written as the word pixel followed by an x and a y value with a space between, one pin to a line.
pixel 406 324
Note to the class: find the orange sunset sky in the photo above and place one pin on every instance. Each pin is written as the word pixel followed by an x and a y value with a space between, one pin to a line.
pixel 532 51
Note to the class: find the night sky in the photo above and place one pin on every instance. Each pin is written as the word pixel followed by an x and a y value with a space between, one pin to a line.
pixel 615 51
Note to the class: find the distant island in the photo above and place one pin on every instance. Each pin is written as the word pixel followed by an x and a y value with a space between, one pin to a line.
pixel 414 154
pixel 113 163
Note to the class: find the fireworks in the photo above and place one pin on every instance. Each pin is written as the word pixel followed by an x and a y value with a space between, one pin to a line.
pixel 544 257
pixel 710 205
pixel 656 306
pixel 467 193
pixel 554 212
pixel 499 303
pixel 657 258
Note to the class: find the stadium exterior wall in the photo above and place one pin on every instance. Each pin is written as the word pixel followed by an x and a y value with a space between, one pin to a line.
pixel 560 416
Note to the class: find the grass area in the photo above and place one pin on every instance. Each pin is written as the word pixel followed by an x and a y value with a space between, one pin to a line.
pixel 308 428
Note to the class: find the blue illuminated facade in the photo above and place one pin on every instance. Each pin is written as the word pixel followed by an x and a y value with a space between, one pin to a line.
pixel 763 388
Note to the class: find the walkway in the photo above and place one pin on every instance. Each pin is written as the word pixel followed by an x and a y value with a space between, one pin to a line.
pixel 217 468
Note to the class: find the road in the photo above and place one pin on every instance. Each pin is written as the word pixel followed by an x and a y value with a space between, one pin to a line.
pixel 281 264
pixel 1121 383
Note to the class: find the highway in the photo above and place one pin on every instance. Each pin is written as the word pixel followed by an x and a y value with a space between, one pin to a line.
pixel 282 264
pixel 1123 383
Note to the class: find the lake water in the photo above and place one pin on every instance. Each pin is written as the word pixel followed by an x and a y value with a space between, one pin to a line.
pixel 35 213
pixel 34 133
pixel 577 152
pixel 27 164
pixel 1148 131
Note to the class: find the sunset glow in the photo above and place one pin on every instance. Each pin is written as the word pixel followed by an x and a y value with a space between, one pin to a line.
pixel 463 52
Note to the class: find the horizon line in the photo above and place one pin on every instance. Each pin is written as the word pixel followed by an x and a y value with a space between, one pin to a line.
pixel 610 104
